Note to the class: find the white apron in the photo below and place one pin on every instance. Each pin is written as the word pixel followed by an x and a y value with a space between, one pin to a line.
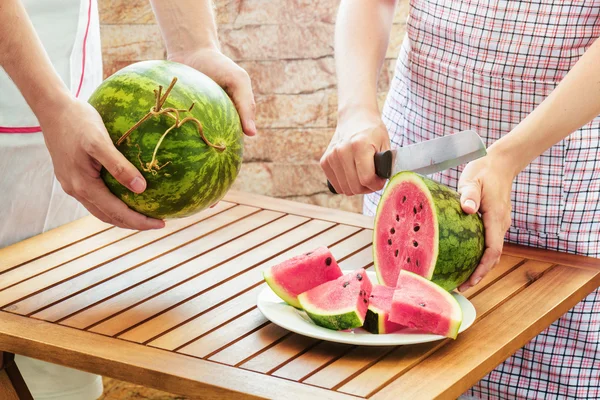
pixel 31 199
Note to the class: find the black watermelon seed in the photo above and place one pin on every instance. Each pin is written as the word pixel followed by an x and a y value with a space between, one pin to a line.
pixel 408 260
pixel 396 252
pixel 403 199
pixel 372 296
pixel 420 206
pixel 397 217
pixel 365 300
pixel 346 284
pixel 415 210
pixel 415 243
pixel 328 261
pixel 359 277
pixel 390 242
pixel 417 263
pixel 416 228
pixel 422 304
pixel 392 231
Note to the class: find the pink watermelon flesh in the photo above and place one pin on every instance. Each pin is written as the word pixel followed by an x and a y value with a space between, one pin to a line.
pixel 421 304
pixel 405 234
pixel 340 304
pixel 380 303
pixel 301 273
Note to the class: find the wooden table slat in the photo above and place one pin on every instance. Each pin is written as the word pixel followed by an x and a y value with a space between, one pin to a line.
pixel 173 267
pixel 144 365
pixel 312 360
pixel 54 240
pixel 479 349
pixel 119 250
pixel 284 351
pixel 182 301
pixel 170 298
pixel 230 278
pixel 404 358
pixel 180 335
pixel 257 341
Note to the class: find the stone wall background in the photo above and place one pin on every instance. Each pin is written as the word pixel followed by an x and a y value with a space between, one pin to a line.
pixel 287 48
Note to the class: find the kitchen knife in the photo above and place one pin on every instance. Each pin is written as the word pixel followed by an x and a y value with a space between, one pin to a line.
pixel 429 156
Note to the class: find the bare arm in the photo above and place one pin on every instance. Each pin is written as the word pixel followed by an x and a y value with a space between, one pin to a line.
pixel 361 40
pixel 486 184
pixel 26 62
pixel 73 131
pixel 190 33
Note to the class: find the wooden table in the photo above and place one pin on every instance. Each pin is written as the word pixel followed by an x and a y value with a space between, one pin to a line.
pixel 175 309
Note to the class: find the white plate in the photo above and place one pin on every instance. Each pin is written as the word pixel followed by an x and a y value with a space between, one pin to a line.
pixel 292 319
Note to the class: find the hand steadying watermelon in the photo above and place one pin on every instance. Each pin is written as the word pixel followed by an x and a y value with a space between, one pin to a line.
pixel 301 273
pixel 186 141
pixel 421 227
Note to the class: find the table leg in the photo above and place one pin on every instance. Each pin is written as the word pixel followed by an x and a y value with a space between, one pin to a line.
pixel 12 385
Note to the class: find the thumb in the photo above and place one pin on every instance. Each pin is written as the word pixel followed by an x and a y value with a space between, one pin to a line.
pixel 470 195
pixel 243 97
pixel 119 167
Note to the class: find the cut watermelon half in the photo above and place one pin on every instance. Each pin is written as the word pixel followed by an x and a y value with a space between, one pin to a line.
pixel 380 302
pixel 340 304
pixel 420 227
pixel 301 273
pixel 421 304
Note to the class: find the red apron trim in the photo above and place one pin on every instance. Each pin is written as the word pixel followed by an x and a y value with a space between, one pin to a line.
pixel 36 129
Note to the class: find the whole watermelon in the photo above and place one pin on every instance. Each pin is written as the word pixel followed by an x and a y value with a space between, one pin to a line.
pixel 185 172
pixel 420 227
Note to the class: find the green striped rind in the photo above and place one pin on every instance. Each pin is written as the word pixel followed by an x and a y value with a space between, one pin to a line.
pixel 279 291
pixel 337 322
pixel 198 175
pixel 373 323
pixel 461 237
pixel 344 319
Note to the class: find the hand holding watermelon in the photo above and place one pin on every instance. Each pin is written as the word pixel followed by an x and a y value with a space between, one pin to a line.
pixel 80 146
pixel 485 186
pixel 230 76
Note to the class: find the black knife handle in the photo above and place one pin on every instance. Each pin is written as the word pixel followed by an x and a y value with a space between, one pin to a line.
pixel 331 188
pixel 383 167
pixel 383 164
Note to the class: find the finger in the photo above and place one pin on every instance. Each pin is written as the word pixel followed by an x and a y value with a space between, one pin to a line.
pixel 329 174
pixel 470 195
pixel 336 162
pixel 365 166
pixel 243 97
pixel 494 241
pixel 117 165
pixel 99 214
pixel 351 173
pixel 119 212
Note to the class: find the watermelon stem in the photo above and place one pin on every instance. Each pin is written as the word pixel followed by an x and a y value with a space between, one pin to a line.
pixel 157 110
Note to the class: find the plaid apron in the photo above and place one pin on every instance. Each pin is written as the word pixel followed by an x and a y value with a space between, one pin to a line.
pixel 485 65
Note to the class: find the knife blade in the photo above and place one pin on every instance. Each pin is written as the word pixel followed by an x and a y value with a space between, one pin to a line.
pixel 429 156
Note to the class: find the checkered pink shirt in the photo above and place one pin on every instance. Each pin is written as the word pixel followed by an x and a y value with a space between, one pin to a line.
pixel 485 65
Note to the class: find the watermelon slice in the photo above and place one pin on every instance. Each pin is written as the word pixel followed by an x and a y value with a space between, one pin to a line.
pixel 380 303
pixel 421 304
pixel 301 273
pixel 421 227
pixel 340 304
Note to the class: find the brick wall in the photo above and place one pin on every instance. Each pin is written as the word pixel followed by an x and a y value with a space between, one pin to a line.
pixel 287 48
